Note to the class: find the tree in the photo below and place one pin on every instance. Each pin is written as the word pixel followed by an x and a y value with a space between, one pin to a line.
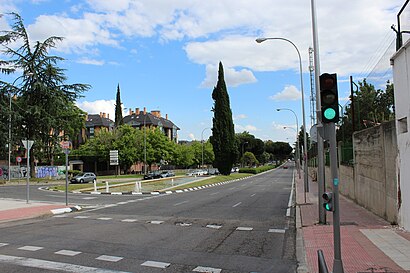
pixel 371 107
pixel 223 133
pixel 118 109
pixel 44 102
pixel 249 159
pixel 129 143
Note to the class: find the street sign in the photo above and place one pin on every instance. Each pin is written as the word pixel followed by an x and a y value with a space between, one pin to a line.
pixel 28 143
pixel 18 159
pixel 65 144
pixel 114 157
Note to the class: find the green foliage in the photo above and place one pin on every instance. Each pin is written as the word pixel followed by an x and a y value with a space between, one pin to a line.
pixel 249 159
pixel 371 107
pixel 118 109
pixel 223 134
pixel 44 104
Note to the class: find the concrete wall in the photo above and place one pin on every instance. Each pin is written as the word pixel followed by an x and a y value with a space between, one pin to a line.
pixel 372 181
pixel 375 152
pixel 401 79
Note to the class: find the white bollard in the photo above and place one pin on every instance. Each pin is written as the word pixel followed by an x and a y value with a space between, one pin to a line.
pixel 137 187
pixel 107 188
pixel 172 181
pixel 95 186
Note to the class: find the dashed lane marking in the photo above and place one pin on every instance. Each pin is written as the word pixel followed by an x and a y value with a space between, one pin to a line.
pixel 53 266
pixel 244 228
pixel 206 269
pixel 276 230
pixel 214 226
pixel 156 222
pixel 129 220
pixel 109 258
pixel 234 206
pixel 67 252
pixel 81 217
pixel 253 195
pixel 156 264
pixel 104 218
pixel 30 248
pixel 180 203
pixel 3 244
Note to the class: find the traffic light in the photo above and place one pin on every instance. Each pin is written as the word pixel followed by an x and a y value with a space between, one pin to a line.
pixel 328 201
pixel 329 98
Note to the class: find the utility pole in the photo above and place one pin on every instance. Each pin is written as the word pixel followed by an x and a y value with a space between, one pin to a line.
pixel 320 147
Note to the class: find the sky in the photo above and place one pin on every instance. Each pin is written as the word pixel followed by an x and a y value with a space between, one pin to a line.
pixel 164 54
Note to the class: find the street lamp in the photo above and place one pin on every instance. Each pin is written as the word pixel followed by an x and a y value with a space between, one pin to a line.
pixel 297 148
pixel 260 40
pixel 297 135
pixel 202 142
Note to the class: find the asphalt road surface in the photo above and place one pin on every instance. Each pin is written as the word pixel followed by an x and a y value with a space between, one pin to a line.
pixel 243 226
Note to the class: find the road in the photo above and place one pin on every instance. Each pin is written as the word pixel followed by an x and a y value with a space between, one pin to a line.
pixel 243 226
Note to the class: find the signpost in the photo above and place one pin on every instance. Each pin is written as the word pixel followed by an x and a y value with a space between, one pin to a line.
pixel 114 159
pixel 27 144
pixel 65 145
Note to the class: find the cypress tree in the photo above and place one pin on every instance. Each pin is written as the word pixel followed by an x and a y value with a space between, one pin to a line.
pixel 223 133
pixel 118 109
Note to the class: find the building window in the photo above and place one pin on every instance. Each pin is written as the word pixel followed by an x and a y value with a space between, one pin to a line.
pixel 91 132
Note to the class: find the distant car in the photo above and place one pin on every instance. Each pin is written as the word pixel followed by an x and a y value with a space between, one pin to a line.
pixel 167 174
pixel 285 167
pixel 152 175
pixel 84 178
pixel 213 172
pixel 196 173
pixel 234 170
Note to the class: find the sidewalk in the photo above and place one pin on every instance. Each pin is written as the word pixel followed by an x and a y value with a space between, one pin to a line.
pixel 368 243
pixel 12 209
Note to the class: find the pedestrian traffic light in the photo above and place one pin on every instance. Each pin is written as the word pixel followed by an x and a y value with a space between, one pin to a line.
pixel 328 201
pixel 329 98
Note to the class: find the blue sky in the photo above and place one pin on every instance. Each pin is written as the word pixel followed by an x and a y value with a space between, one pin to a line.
pixel 164 54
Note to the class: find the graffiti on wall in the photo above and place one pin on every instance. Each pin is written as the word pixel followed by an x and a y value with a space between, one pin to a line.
pixel 17 172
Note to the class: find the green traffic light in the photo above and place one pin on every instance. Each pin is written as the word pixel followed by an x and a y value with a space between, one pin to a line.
pixel 328 207
pixel 329 113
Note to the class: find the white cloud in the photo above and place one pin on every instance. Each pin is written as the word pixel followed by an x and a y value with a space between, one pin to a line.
pixel 239 117
pixel 249 128
pixel 191 136
pixel 98 106
pixel 290 92
pixel 91 61
pixel 232 77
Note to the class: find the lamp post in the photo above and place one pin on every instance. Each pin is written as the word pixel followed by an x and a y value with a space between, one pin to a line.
pixel 297 148
pixel 202 142
pixel 260 40
pixel 297 135
pixel 243 148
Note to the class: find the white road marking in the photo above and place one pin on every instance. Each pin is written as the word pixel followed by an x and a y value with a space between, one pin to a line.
pixel 3 244
pixel 60 216
pixel 122 203
pixel 291 196
pixel 129 220
pixel 155 264
pixel 234 206
pixel 104 218
pixel 253 195
pixel 89 198
pixel 180 203
pixel 109 258
pixel 244 228
pixel 214 226
pixel 30 248
pixel 184 224
pixel 207 269
pixel 276 230
pixel 53 266
pixel 156 222
pixel 214 193
pixel 81 217
pixel 67 252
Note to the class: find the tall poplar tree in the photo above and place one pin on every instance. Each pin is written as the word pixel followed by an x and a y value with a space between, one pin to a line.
pixel 118 109
pixel 223 133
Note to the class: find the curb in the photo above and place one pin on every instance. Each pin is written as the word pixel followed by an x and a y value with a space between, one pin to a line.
pixel 65 210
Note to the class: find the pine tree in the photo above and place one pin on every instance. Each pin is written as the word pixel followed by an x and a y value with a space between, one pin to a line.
pixel 118 109
pixel 223 133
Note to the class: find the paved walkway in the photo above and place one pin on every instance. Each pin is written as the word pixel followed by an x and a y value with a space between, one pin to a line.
pixel 369 243
pixel 12 209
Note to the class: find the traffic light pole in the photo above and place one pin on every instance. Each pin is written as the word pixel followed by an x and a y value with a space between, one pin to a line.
pixel 337 261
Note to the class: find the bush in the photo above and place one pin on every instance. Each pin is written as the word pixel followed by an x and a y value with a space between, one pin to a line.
pixel 256 170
